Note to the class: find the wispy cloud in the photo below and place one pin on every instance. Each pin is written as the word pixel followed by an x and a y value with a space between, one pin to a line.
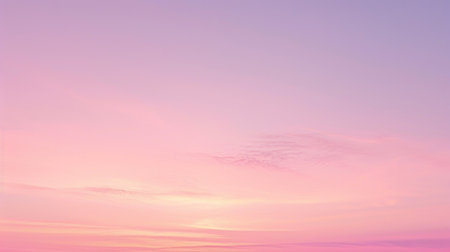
pixel 413 243
pixel 82 237
pixel 102 190
pixel 278 151
pixel 123 238
pixel 161 197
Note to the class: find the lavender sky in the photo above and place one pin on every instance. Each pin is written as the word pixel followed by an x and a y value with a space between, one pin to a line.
pixel 248 126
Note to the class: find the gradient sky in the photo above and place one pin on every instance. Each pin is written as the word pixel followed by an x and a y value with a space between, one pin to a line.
pixel 209 126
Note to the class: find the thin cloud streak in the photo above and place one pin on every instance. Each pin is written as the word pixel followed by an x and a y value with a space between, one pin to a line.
pixel 415 243
pixel 279 151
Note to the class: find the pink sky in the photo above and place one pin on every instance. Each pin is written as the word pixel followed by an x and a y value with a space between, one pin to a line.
pixel 253 126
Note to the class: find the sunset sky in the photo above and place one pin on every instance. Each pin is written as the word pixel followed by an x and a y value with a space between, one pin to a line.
pixel 225 125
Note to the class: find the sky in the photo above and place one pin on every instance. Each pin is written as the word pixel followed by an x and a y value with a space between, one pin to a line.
pixel 211 126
